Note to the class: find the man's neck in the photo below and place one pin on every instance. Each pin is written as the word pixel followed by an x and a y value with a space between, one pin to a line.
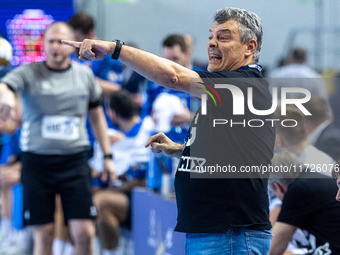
pixel 298 149
pixel 310 126
pixel 58 66
pixel 246 62
pixel 127 125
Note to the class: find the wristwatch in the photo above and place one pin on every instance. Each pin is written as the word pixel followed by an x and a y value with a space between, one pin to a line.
pixel 110 156
pixel 116 52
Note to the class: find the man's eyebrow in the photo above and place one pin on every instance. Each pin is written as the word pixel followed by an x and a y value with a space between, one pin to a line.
pixel 222 31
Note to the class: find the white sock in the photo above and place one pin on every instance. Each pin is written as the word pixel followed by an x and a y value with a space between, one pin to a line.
pixel 58 246
pixel 110 252
pixel 96 246
pixel 22 238
pixel 6 226
pixel 68 250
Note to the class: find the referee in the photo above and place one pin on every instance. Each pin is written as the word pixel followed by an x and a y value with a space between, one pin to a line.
pixel 57 96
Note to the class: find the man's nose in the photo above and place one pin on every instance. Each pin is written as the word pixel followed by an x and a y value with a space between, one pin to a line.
pixel 212 43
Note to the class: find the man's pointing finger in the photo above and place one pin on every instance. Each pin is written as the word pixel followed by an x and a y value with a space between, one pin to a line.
pixel 72 43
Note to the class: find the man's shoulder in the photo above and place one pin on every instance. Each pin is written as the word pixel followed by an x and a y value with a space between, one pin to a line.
pixel 24 70
pixel 241 78
pixel 31 66
pixel 311 183
pixel 330 136
pixel 330 132
pixel 300 190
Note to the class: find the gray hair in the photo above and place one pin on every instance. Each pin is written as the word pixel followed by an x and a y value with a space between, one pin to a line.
pixel 289 160
pixel 250 25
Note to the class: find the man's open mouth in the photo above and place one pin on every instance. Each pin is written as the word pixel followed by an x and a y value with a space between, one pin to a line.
pixel 214 57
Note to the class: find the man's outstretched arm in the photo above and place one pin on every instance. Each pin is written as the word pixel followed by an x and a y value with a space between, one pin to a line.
pixel 160 70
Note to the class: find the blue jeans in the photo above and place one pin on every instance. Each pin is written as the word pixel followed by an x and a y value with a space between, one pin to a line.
pixel 243 242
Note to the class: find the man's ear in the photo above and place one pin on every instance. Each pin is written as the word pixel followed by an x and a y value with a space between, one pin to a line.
pixel 277 187
pixel 251 47
pixel 279 142
pixel 111 113
pixel 278 190
pixel 283 189
pixel 188 54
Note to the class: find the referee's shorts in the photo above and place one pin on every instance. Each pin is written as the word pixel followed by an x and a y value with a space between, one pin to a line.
pixel 44 176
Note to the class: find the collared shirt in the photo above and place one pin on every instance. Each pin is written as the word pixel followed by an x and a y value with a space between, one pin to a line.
pixel 316 160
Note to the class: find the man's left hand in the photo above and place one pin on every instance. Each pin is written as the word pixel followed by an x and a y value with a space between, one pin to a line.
pixel 109 172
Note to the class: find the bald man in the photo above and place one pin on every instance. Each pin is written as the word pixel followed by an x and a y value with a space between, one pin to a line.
pixel 57 95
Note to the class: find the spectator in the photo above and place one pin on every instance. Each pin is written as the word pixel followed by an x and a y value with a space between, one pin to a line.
pixel 172 110
pixel 107 71
pixel 175 49
pixel 57 95
pixel 15 239
pixel 294 139
pixel 6 54
pixel 321 131
pixel 298 74
pixel 307 203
